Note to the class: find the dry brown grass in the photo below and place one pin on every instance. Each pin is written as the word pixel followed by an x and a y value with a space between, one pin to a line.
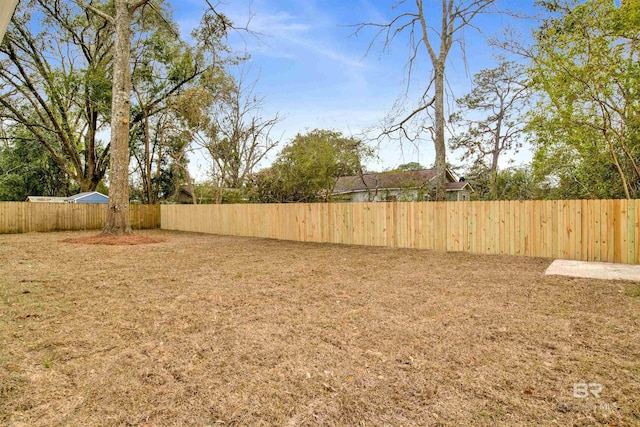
pixel 210 330
pixel 111 239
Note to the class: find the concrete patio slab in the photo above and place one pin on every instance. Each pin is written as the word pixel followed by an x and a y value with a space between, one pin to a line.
pixel 594 270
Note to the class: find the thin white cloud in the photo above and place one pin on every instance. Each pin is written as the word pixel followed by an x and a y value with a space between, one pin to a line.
pixel 279 25
pixel 285 35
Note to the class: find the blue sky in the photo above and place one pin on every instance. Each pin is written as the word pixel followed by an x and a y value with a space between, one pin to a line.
pixel 313 71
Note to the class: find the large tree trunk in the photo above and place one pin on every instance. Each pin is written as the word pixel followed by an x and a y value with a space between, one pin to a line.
pixel 88 184
pixel 118 221
pixel 440 147
pixel 147 159
pixel 495 154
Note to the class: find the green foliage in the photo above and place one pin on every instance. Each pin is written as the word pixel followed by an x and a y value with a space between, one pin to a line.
pixel 56 84
pixel 306 169
pixel 585 129
pixel 27 169
pixel 171 82
pixel 515 183
pixel 411 166
pixel 56 75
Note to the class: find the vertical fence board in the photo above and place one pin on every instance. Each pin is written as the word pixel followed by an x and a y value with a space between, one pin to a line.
pixel 587 229
pixel 636 239
pixel 611 230
pixel 572 229
pixel 623 223
pixel 620 254
pixel 517 208
pixel 473 227
pixel 631 219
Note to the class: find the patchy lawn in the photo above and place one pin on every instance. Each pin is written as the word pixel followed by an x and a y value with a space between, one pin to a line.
pixel 211 330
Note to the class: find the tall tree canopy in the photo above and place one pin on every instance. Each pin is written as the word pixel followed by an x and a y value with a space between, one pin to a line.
pixel 586 127
pixel 165 72
pixel 56 84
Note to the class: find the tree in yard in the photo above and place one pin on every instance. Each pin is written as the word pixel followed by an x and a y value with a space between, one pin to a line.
pixel 54 85
pixel 118 221
pixel 184 111
pixel 586 129
pixel 436 34
pixel 225 118
pixel 27 170
pixel 307 168
pixel 490 116
pixel 165 69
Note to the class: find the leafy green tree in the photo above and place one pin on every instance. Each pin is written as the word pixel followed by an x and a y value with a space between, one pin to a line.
pixel 27 170
pixel 55 84
pixel 514 183
pixel 490 116
pixel 166 71
pixel 585 129
pixel 306 169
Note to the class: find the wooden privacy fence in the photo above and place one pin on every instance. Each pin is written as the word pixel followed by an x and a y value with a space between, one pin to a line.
pixel 24 217
pixel 589 230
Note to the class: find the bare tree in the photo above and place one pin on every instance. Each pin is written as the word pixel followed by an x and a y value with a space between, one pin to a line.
pixel 437 38
pixel 230 127
pixel 239 137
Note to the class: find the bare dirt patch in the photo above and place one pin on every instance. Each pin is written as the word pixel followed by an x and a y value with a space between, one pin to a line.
pixel 212 330
pixel 102 239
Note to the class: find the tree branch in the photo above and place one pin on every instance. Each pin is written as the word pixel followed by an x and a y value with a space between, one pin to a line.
pixel 83 4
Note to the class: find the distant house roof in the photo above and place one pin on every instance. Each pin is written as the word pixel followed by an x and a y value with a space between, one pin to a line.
pixel 88 197
pixel 395 180
pixel 458 186
pixel 45 199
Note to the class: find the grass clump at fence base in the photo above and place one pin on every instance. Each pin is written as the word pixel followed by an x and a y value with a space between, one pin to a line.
pixel 213 330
